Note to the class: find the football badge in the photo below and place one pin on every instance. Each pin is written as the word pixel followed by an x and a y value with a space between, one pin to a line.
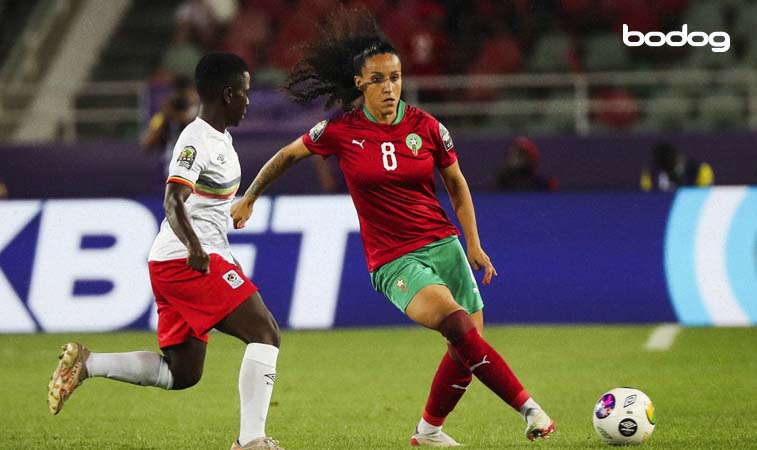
pixel 233 279
pixel 317 130
pixel 187 157
pixel 413 142
pixel 446 137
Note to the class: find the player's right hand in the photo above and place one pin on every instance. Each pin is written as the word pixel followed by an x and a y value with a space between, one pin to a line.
pixel 199 261
pixel 241 212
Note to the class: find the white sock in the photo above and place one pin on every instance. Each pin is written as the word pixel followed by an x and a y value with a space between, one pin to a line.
pixel 142 368
pixel 529 405
pixel 256 378
pixel 426 428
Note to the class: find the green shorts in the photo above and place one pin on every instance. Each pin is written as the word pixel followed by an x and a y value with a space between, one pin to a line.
pixel 442 262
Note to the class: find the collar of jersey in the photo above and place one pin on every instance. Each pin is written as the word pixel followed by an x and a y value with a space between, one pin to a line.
pixel 212 130
pixel 400 114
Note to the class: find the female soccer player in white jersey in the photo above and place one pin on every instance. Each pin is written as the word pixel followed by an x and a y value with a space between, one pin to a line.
pixel 197 283
pixel 388 151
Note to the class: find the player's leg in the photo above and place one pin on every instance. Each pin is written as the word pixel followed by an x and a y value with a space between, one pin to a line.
pixel 179 368
pixel 450 382
pixel 185 362
pixel 399 281
pixel 76 363
pixel 434 307
pixel 538 423
pixel 253 324
pixel 451 263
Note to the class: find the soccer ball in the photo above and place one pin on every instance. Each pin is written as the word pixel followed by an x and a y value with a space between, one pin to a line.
pixel 624 416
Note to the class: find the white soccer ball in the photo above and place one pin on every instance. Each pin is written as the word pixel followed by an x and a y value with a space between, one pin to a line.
pixel 624 416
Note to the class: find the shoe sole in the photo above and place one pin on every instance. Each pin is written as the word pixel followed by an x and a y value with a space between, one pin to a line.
pixel 542 433
pixel 67 359
pixel 269 445
pixel 415 443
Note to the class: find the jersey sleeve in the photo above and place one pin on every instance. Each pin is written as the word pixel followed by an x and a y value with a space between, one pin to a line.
pixel 319 139
pixel 444 154
pixel 188 161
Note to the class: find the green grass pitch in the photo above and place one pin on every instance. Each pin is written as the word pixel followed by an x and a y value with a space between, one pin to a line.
pixel 365 389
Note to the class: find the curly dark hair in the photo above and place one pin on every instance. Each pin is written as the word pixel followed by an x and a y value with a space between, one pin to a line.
pixel 344 41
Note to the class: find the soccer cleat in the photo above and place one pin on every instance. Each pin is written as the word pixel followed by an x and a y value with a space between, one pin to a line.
pixel 264 443
pixel 69 374
pixel 538 424
pixel 437 439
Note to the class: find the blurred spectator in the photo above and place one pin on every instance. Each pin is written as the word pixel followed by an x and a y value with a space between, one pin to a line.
pixel 520 171
pixel 223 10
pixel 4 194
pixel 249 34
pixel 672 168
pixel 618 108
pixel 182 55
pixel 427 41
pixel 285 50
pixel 199 20
pixel 178 110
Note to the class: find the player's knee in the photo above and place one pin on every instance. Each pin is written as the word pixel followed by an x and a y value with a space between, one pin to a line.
pixel 183 378
pixel 273 338
pixel 456 325
pixel 263 329
pixel 268 333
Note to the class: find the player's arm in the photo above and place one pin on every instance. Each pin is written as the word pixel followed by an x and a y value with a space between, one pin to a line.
pixel 176 214
pixel 271 170
pixel 462 202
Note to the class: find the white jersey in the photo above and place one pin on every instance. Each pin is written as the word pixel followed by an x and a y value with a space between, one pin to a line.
pixel 205 160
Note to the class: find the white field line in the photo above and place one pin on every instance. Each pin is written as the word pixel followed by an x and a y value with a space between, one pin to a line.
pixel 662 337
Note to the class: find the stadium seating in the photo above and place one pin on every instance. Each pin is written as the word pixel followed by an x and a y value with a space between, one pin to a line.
pixel 132 54
pixel 605 52
pixel 668 109
pixel 704 16
pixel 500 54
pixel 476 38
pixel 722 108
pixel 551 54
pixel 559 115
pixel 13 16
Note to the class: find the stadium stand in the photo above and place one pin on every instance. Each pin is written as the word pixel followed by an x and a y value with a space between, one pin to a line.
pixel 722 108
pixel 667 110
pixel 31 35
pixel 553 53
pixel 13 18
pixel 133 53
pixel 576 42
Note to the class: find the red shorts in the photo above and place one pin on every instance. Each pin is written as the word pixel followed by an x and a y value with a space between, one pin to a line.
pixel 191 303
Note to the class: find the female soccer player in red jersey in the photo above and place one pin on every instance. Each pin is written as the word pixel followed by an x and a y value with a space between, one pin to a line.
pixel 387 151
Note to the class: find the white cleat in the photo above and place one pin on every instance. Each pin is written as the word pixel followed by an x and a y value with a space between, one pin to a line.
pixel 538 424
pixel 437 439
pixel 264 443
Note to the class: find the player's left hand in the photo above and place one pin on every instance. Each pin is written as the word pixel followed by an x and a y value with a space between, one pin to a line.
pixel 480 260
pixel 241 212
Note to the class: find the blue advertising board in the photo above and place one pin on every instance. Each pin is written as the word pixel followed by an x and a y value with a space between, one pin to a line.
pixel 690 257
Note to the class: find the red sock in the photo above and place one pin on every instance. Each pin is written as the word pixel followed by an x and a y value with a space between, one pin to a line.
pixel 449 385
pixel 490 368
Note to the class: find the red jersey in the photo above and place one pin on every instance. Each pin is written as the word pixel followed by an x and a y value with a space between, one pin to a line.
pixel 389 171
